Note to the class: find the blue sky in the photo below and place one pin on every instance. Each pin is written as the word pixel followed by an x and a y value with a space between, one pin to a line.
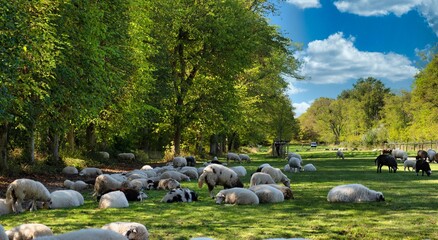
pixel 344 40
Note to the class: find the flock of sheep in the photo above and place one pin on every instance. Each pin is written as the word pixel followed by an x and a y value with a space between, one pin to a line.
pixel 117 190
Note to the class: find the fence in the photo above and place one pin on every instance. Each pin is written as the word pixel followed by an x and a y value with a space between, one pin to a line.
pixel 413 146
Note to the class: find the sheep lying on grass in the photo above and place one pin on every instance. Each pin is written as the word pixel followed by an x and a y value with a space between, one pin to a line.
pixel 106 182
pixel 216 174
pixel 168 184
pixel 179 162
pixel 267 194
pixel 131 230
pixel 29 231
pixel 70 170
pixel 126 156
pixel 87 234
pixel 3 235
pixel 354 193
pixel 77 185
pixel 239 196
pixel 116 199
pixel 180 195
pixel 287 191
pixel 65 199
pixel 26 189
pixel 5 207
pixel 90 172
pixel 309 168
pixel 175 175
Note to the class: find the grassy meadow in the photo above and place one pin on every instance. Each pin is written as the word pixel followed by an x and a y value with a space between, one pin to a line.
pixel 409 212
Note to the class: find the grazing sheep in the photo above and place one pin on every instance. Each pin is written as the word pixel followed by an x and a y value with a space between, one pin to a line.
pixel 126 156
pixel 260 178
pixel 179 162
pixel 104 155
pixel 421 154
pixel 175 175
pixel 340 154
pixel 191 161
pixel 26 189
pixel 28 231
pixel 353 193
pixel 386 160
pixel 65 199
pixel 295 155
pixel 168 184
pixel 190 172
pixel 180 195
pixel 5 207
pixel 295 164
pixel 3 235
pixel 106 182
pixel 245 157
pixel 424 166
pixel 240 170
pixel 408 164
pixel 287 191
pixel 131 230
pixel 90 172
pixel 267 194
pixel 431 154
pixel 309 168
pixel 259 169
pixel 277 175
pixel 116 199
pixel 88 234
pixel 397 153
pixel 216 174
pixel 233 156
pixel 239 196
pixel 70 170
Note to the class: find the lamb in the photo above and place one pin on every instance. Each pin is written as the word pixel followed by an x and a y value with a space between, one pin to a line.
pixel 26 189
pixel 244 157
pixel 5 207
pixel 431 154
pixel 180 195
pixel 175 175
pixel 397 153
pixel 353 193
pixel 126 156
pixel 70 170
pixel 216 174
pixel 233 156
pixel 277 175
pixel 88 234
pixel 116 199
pixel 408 164
pixel 309 168
pixel 65 199
pixel 340 154
pixel 191 161
pixel 240 170
pixel 105 182
pixel 131 230
pixel 295 164
pixel 386 160
pixel 28 231
pixel 261 178
pixel 424 166
pixel 239 196
pixel 3 235
pixel 267 194
pixel 90 172
pixel 168 184
pixel 179 162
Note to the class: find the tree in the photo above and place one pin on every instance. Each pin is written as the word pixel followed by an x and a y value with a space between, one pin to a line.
pixel 397 116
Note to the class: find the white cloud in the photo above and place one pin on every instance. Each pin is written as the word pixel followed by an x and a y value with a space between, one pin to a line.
pixel 305 3
pixel 301 107
pixel 337 60
pixel 427 8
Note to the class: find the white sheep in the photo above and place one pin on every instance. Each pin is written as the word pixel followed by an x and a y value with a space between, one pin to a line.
pixel 3 235
pixel 409 164
pixel 106 182
pixel 309 168
pixel 277 175
pixel 397 153
pixel 353 193
pixel 146 167
pixel 70 170
pixel 90 172
pixel 28 231
pixel 233 156
pixel 340 154
pixel 5 207
pixel 88 234
pixel 175 175
pixel 140 183
pixel 431 154
pixel 78 185
pixel 240 170
pixel 190 172
pixel 180 195
pixel 239 196
pixel 115 199
pixel 295 164
pixel 26 189
pixel 245 157
pixel 295 155
pixel 287 191
pixel 260 178
pixel 131 230
pixel 267 194
pixel 168 184
pixel 104 155
pixel 216 174
pixel 179 162
pixel 65 199
pixel 126 156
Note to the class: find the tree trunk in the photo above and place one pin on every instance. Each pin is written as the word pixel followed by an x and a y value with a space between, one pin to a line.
pixel 55 147
pixel 90 138
pixel 29 151
pixel 71 139
pixel 4 148
pixel 214 146
pixel 177 138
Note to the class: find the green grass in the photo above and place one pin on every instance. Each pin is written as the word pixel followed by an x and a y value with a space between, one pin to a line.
pixel 409 212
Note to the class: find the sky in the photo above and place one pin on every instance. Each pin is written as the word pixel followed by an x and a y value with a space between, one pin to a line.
pixel 342 41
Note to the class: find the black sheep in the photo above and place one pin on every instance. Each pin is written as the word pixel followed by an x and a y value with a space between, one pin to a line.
pixel 191 161
pixel 386 160
pixel 424 166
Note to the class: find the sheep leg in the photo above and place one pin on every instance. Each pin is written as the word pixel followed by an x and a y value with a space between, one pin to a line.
pixel 17 206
